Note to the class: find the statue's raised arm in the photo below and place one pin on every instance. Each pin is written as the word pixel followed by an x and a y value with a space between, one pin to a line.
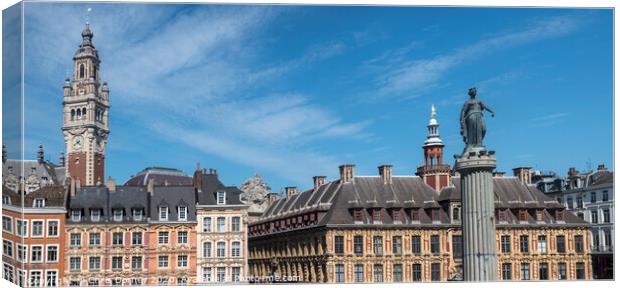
pixel 473 127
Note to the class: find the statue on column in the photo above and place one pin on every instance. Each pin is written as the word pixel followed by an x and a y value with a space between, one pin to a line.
pixel 473 127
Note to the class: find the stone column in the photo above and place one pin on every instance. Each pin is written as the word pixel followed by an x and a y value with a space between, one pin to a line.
pixel 477 199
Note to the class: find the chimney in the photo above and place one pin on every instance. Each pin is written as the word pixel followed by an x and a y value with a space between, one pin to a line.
pixel 385 171
pixel 40 154
pixel 198 178
pixel 61 159
pixel 347 172
pixel 572 171
pixel 318 181
pixel 4 155
pixel 524 174
pixel 290 191
pixel 149 186
pixel 499 174
pixel 111 184
pixel 601 167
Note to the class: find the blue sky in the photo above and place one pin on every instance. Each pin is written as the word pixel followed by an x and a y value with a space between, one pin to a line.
pixel 290 92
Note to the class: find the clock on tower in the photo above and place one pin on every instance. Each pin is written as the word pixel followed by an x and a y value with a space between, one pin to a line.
pixel 85 110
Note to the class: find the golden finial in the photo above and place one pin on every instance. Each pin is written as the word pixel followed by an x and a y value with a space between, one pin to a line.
pixel 433 112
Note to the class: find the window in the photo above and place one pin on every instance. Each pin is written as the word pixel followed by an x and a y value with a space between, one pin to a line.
pixel 415 215
pixel 435 215
pixel 51 278
pixel 580 215
pixel 358 245
pixel 358 215
pixel 539 215
pixel 579 202
pixel 543 271
pixel 182 261
pixel 182 237
pixel 163 213
pixel 95 214
pixel 525 271
pixel 397 245
pixel 236 224
pixel 52 253
pixel 37 228
pixel 559 215
pixel 569 202
pixel 606 215
pixel 93 282
pixel 35 279
pixel 76 215
pixel 457 246
pixel 75 263
pixel 21 227
pixel 542 244
pixel 501 215
pixel 206 249
pixel 561 244
pixel 561 271
pixel 136 262
pixel 505 244
pixel 397 273
pixel 435 244
pixel 136 238
pixel 456 215
pixel 21 253
pixel 221 274
pixel 339 273
pixel 94 239
pixel 163 238
pixel 206 274
pixel 137 214
pixel 221 197
pixel 75 239
pixel 117 262
pixel 595 239
pixel 416 245
pixel 594 216
pixel 182 213
pixel 592 197
pixel 7 224
pixel 339 245
pixel 162 262
pixel 82 71
pixel 578 243
pixel 580 271
pixel 221 249
pixel 506 271
pixel 221 224
pixel 607 235
pixel 8 272
pixel 605 196
pixel 94 263
pixel 7 248
pixel 6 200
pixel 162 281
pixel 236 274
pixel 359 273
pixel 117 238
pixel 436 272
pixel 118 215
pixel 524 244
pixel 377 273
pixel 376 216
pixel 416 272
pixel 236 249
pixel 523 215
pixel 206 224
pixel 36 253
pixel 38 203
pixel 396 216
pixel 377 245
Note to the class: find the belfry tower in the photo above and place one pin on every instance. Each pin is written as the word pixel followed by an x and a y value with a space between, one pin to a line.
pixel 85 115
pixel 434 172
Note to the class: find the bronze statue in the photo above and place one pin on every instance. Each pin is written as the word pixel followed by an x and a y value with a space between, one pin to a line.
pixel 472 121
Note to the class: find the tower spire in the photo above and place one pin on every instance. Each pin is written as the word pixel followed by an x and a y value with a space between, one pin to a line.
pixel 434 172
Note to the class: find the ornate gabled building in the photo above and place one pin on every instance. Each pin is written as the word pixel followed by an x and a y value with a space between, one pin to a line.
pixel 36 173
pixel 389 228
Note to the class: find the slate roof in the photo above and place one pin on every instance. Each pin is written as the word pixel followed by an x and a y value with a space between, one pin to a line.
pixel 55 196
pixel 601 178
pixel 54 174
pixel 173 197
pixel 211 185
pixel 160 176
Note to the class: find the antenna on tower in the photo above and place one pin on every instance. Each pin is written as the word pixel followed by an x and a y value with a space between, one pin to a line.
pixel 88 15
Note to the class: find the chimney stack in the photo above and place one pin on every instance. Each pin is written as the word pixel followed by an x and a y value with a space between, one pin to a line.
pixel 149 186
pixel 61 159
pixel 318 181
pixel 601 167
pixel 572 171
pixel 499 174
pixel 290 191
pixel 111 184
pixel 524 174
pixel 347 172
pixel 40 154
pixel 198 178
pixel 4 155
pixel 385 171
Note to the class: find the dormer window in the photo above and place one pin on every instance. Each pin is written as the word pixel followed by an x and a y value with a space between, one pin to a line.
pixel 6 200
pixel 221 198
pixel 358 215
pixel 76 215
pixel 182 213
pixel 523 215
pixel 137 214
pixel 163 213
pixel 118 215
pixel 559 215
pixel 376 216
pixel 501 215
pixel 396 216
pixel 95 214
pixel 435 215
pixel 38 203
pixel 539 215
pixel 415 215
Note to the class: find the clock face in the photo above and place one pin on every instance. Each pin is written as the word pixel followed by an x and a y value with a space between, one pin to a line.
pixel 77 142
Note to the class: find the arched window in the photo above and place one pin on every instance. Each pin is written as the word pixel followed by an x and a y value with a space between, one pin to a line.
pixel 84 113
pixel 81 70
pixel 72 114
pixel 79 113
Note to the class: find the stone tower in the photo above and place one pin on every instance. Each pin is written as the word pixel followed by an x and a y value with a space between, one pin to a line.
pixel 85 115
pixel 434 172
